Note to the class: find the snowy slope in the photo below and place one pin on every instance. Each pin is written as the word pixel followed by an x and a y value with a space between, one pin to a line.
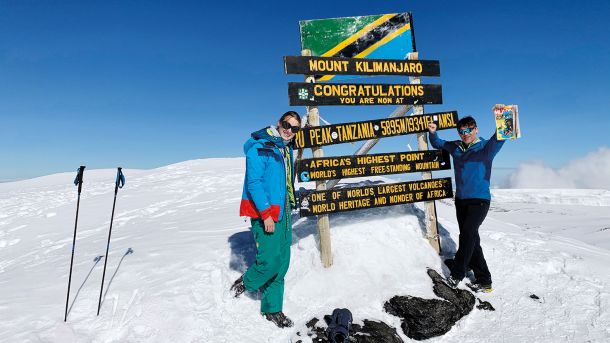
pixel 189 245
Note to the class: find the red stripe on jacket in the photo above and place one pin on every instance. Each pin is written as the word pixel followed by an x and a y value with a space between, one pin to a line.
pixel 248 209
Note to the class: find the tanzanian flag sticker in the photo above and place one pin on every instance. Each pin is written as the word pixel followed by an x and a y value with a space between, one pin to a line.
pixel 383 36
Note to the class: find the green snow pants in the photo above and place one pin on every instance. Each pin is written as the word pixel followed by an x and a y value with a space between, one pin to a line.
pixel 272 260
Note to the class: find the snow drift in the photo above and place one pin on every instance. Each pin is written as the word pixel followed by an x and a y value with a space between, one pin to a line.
pixel 188 245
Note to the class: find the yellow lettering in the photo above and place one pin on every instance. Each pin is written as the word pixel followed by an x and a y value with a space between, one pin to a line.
pixel 323 208
pixel 317 90
pixel 313 66
pixel 380 201
pixel 317 197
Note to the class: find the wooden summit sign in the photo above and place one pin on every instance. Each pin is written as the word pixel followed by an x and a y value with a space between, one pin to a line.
pixel 378 128
pixel 358 198
pixel 315 94
pixel 312 65
pixel 328 168
pixel 388 36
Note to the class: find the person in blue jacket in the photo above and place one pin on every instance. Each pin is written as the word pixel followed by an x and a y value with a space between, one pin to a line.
pixel 472 159
pixel 268 198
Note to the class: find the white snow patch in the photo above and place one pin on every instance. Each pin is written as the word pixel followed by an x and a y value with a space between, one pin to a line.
pixel 189 245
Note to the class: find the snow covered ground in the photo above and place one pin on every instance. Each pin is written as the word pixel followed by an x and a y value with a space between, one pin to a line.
pixel 189 245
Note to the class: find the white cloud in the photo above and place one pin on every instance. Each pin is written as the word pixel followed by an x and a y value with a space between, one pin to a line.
pixel 590 171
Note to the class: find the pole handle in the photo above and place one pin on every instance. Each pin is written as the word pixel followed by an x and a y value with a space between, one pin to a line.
pixel 78 181
pixel 120 180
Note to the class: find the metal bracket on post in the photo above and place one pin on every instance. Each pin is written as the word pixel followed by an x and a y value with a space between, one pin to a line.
pixel 401 111
pixel 313 119
pixel 422 144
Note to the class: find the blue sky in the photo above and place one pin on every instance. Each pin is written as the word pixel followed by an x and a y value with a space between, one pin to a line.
pixel 143 84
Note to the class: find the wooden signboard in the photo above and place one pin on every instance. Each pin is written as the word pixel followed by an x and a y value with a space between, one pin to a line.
pixel 340 167
pixel 388 36
pixel 311 65
pixel 379 128
pixel 358 198
pixel 320 94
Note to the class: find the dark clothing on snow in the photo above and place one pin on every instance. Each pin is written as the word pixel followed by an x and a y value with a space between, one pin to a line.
pixel 470 215
pixel 472 165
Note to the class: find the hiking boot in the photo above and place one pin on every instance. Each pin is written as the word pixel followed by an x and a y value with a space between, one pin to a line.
pixel 279 319
pixel 238 287
pixel 480 287
pixel 452 282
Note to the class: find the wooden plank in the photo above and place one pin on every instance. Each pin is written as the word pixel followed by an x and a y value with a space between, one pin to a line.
pixel 313 118
pixel 339 167
pixel 328 94
pixel 355 66
pixel 422 144
pixel 378 128
pixel 358 198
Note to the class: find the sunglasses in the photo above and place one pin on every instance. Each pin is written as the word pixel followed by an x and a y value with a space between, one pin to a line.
pixel 286 125
pixel 466 130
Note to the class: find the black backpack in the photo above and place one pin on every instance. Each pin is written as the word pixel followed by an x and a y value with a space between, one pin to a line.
pixel 339 325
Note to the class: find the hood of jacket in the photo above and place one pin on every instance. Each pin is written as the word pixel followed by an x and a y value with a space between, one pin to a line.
pixel 263 136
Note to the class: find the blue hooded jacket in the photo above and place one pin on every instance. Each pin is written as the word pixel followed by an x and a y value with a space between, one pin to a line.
pixel 264 192
pixel 472 166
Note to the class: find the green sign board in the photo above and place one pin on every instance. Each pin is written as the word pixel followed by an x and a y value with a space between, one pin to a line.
pixel 383 36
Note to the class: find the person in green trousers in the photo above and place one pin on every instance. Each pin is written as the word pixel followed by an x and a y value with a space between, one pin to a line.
pixel 268 198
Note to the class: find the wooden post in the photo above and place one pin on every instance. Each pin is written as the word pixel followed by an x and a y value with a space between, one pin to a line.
pixel 422 144
pixel 313 119
pixel 300 151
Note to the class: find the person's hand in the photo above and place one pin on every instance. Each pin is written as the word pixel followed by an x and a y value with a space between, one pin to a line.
pixel 269 225
pixel 432 127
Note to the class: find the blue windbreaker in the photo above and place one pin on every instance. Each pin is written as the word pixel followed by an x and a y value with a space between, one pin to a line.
pixel 265 182
pixel 472 166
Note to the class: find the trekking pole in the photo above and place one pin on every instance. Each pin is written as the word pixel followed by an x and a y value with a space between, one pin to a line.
pixel 78 181
pixel 119 183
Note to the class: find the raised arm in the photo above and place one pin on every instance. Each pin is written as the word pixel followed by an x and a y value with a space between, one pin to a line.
pixel 493 145
pixel 436 142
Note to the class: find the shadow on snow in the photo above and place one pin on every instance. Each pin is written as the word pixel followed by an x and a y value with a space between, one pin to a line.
pixel 243 247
